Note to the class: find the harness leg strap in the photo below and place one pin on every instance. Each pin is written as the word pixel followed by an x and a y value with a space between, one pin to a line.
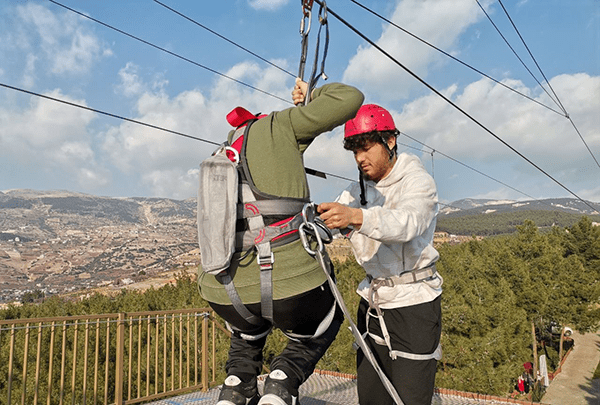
pixel 235 299
pixel 265 262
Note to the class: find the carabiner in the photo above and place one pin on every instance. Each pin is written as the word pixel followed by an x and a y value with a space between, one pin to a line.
pixel 308 213
pixel 315 233
pixel 303 24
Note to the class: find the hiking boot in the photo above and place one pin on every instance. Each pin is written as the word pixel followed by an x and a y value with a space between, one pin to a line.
pixel 236 392
pixel 277 390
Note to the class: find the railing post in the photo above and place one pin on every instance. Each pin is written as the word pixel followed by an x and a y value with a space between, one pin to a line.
pixel 120 344
pixel 205 353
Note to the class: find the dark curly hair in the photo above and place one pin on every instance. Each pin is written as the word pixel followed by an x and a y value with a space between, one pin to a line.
pixel 356 142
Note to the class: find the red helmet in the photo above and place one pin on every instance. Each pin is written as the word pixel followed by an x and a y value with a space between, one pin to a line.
pixel 370 117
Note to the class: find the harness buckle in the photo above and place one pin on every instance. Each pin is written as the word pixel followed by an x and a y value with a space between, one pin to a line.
pixel 265 262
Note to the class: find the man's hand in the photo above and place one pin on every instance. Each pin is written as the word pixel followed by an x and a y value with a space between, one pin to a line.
pixel 299 92
pixel 336 215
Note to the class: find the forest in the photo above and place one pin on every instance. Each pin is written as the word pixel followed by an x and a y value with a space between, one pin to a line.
pixel 499 223
pixel 496 292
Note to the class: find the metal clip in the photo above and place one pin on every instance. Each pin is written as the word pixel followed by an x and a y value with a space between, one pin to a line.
pixel 310 228
pixel 305 28
pixel 265 260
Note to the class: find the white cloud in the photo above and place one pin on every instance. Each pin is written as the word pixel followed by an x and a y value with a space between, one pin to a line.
pixel 439 22
pixel 544 137
pixel 167 163
pixel 131 83
pixel 173 183
pixel 60 41
pixel 52 138
pixel 267 4
pixel 29 76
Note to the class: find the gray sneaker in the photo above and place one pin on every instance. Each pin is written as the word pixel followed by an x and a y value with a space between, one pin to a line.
pixel 276 390
pixel 236 392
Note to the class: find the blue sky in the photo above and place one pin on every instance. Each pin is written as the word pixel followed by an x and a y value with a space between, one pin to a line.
pixel 47 49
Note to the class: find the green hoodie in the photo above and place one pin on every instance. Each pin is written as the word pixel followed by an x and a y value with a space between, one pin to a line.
pixel 275 146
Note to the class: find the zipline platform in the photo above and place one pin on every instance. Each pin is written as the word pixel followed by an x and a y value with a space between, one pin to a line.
pixel 325 388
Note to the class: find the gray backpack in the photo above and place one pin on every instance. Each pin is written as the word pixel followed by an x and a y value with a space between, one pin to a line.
pixel 217 211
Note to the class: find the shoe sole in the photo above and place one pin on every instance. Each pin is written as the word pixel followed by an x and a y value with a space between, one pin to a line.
pixel 270 399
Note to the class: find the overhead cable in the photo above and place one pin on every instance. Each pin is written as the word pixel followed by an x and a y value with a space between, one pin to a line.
pixel 467 166
pixel 224 38
pixel 171 53
pixel 454 58
pixel 531 55
pixel 108 114
pixel 519 58
pixel 372 43
pixel 548 82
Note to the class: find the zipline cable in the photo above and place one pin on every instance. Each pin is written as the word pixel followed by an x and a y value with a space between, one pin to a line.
pixel 456 59
pixel 224 38
pixel 532 57
pixel 549 85
pixel 108 114
pixel 363 36
pixel 519 58
pixel 468 167
pixel 171 53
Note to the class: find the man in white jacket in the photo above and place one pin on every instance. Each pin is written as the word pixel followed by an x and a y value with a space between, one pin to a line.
pixel 392 213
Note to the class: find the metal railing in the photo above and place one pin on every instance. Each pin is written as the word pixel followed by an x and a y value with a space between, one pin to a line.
pixel 123 358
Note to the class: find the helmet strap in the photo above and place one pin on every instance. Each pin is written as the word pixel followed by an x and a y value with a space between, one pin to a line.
pixel 391 152
pixel 363 198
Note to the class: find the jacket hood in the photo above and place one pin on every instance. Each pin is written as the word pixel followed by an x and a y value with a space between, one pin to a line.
pixel 405 163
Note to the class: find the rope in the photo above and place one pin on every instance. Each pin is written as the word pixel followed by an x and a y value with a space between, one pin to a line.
pixel 312 225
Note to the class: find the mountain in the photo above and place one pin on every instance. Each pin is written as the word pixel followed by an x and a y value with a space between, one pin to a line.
pixel 470 206
pixel 493 217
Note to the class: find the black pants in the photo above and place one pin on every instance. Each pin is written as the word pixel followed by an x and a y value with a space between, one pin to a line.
pixel 414 329
pixel 300 314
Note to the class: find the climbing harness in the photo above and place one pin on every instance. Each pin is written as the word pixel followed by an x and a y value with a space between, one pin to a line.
pixel 234 216
pixel 305 25
pixel 408 277
pixel 312 228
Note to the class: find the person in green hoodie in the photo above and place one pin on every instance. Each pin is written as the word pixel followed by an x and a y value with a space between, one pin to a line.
pixel 303 306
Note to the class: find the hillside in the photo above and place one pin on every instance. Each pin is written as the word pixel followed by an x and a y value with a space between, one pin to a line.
pixel 58 241
pixel 492 217
pixel 61 241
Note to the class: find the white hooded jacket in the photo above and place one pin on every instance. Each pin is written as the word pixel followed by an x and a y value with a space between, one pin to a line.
pixel 397 231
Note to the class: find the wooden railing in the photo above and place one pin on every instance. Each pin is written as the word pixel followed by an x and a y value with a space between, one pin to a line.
pixel 123 358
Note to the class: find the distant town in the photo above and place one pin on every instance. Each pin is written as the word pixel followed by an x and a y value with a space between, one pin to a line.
pixel 61 244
